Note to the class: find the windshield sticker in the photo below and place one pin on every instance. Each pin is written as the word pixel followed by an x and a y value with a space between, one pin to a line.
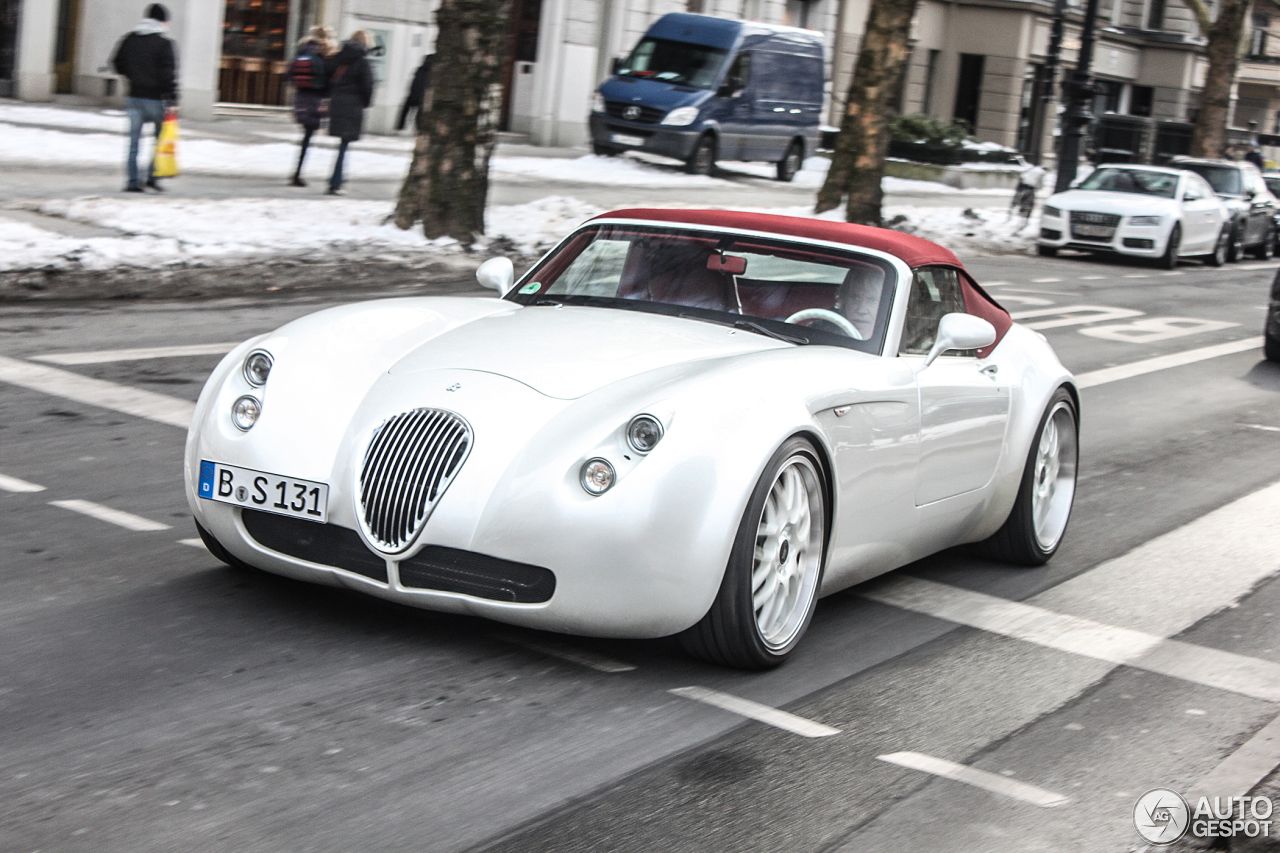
pixel 531 287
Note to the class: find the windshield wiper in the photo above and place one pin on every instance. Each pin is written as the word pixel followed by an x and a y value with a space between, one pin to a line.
pixel 750 326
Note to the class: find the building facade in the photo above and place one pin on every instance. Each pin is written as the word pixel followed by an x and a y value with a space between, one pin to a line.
pixel 981 61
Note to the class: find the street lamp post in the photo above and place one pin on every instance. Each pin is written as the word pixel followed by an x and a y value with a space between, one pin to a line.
pixel 1047 90
pixel 1079 91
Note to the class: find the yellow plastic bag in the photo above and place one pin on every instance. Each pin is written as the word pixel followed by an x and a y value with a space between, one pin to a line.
pixel 166 161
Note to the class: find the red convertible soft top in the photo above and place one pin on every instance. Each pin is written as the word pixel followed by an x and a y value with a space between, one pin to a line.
pixel 915 251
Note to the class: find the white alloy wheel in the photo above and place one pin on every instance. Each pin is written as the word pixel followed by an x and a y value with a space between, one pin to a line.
pixel 1054 477
pixel 788 554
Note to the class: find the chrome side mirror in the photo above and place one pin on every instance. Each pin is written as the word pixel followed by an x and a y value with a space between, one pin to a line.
pixel 960 331
pixel 497 274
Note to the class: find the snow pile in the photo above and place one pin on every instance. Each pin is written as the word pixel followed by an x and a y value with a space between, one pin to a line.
pixel 161 232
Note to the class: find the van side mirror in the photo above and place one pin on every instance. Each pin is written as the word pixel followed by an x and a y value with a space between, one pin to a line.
pixel 615 64
pixel 497 274
pixel 960 331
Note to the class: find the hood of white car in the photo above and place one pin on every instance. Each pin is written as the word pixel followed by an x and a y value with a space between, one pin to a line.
pixel 569 351
pixel 1125 204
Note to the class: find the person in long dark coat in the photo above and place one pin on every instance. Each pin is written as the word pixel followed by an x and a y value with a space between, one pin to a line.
pixel 350 93
pixel 310 94
pixel 418 88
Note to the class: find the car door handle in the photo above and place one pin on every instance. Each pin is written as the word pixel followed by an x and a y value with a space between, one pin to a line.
pixel 990 370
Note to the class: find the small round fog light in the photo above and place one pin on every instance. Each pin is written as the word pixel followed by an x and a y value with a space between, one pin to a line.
pixel 643 433
pixel 257 367
pixel 245 412
pixel 597 476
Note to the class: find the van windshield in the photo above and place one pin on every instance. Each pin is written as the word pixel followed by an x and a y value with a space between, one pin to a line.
pixel 676 62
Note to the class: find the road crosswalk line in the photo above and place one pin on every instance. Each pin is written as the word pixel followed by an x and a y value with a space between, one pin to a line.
pixel 106 356
pixel 118 517
pixel 97 392
pixel 978 778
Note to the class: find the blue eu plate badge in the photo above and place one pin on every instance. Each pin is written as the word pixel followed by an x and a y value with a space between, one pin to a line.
pixel 206 479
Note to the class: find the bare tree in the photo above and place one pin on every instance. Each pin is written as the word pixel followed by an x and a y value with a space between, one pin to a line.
pixel 1225 36
pixel 448 180
pixel 857 164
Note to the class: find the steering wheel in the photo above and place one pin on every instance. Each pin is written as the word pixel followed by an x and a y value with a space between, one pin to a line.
pixel 829 316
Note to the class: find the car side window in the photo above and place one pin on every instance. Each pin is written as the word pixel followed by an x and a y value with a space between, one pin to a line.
pixel 739 74
pixel 935 291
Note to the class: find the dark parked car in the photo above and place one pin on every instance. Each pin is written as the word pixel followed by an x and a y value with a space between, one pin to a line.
pixel 1253 208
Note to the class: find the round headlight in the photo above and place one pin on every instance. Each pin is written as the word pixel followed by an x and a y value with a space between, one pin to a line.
pixel 643 433
pixel 245 412
pixel 597 476
pixel 257 367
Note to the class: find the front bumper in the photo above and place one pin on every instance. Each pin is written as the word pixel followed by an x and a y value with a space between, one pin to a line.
pixel 677 142
pixel 1140 241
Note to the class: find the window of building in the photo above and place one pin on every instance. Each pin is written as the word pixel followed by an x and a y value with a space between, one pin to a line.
pixel 1030 105
pixel 1155 15
pixel 1140 100
pixel 1109 97
pixel 969 88
pixel 751 10
pixel 1258 37
pixel 797 13
pixel 694 6
pixel 930 74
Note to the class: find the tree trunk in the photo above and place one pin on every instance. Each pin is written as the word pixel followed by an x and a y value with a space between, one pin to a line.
pixel 448 180
pixel 1223 51
pixel 858 162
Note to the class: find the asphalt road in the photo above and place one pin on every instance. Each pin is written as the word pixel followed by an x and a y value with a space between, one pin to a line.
pixel 155 700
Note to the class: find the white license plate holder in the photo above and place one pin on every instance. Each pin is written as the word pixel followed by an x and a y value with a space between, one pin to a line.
pixel 626 139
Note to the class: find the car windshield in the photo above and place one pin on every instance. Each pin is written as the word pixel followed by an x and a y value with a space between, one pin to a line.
pixel 753 283
pixel 675 62
pixel 1225 180
pixel 1163 184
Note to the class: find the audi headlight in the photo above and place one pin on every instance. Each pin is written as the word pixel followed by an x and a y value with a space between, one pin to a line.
pixel 597 476
pixel 245 412
pixel 1050 210
pixel 1145 220
pixel 597 103
pixel 257 367
pixel 643 433
pixel 680 117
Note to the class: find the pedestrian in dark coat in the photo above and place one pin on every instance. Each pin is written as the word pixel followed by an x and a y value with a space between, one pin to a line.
pixel 350 93
pixel 145 57
pixel 418 88
pixel 309 75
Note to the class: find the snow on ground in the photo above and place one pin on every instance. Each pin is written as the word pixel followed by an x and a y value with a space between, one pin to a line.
pixel 111 120
pixel 158 232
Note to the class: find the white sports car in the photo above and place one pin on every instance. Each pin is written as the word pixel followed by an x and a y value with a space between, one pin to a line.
pixel 1142 211
pixel 677 422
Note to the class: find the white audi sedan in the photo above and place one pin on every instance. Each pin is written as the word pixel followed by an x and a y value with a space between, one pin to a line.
pixel 1143 211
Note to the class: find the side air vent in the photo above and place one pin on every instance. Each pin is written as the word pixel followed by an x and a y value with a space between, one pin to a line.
pixel 411 460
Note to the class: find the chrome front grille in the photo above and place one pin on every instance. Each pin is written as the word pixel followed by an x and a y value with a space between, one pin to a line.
pixel 1086 225
pixel 411 460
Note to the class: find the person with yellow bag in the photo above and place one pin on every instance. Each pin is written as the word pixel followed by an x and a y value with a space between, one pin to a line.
pixel 145 57
pixel 165 162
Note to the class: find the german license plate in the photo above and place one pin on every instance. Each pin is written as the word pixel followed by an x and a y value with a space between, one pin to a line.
pixel 229 484
pixel 625 139
pixel 1086 230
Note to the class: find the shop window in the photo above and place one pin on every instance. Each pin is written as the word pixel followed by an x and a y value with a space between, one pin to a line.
pixel 969 88
pixel 1140 100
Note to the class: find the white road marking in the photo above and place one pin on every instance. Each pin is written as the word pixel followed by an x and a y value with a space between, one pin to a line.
pixel 1092 277
pixel 1244 768
pixel 97 392
pixel 118 517
pixel 978 778
pixel 1250 426
pixel 1025 300
pixel 1073 315
pixel 1148 330
pixel 1173 272
pixel 1164 362
pixel 1227 671
pixel 103 356
pixel 756 711
pixel 1045 280
pixel 1138 275
pixel 13 484
pixel 995 283
pixel 565 652
pixel 194 543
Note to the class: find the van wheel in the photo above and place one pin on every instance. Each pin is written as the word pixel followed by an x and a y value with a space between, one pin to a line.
pixel 790 162
pixel 703 159
pixel 604 150
pixel 1047 251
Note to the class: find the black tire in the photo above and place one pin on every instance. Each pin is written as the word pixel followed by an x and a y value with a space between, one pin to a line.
pixel 1235 247
pixel 1218 256
pixel 791 161
pixel 1017 541
pixel 1047 251
pixel 703 159
pixel 730 633
pixel 1266 250
pixel 1169 260
pixel 604 150
pixel 215 548
pixel 1271 337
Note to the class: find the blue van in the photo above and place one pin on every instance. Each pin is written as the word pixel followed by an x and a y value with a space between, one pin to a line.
pixel 699 88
